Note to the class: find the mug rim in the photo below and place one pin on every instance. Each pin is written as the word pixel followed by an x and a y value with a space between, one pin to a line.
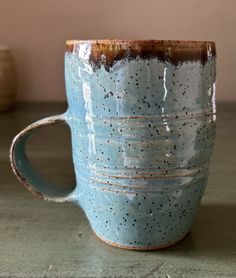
pixel 171 43
pixel 107 52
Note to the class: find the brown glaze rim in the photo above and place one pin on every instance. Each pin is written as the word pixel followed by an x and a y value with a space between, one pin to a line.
pixel 178 43
pixel 107 52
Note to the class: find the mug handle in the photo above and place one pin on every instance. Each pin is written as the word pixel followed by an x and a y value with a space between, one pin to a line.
pixel 24 171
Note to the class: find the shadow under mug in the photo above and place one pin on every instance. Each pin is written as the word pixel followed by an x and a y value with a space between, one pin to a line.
pixel 142 121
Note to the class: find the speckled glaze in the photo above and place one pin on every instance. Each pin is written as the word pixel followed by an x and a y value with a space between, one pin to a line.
pixel 142 120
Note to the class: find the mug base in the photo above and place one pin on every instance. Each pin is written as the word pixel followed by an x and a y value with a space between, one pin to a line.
pixel 141 248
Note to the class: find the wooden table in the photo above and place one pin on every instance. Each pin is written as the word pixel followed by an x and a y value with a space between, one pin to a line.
pixel 45 239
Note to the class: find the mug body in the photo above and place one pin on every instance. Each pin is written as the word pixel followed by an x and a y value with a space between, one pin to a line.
pixel 142 119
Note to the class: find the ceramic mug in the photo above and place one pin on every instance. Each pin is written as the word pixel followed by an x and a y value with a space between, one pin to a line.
pixel 142 121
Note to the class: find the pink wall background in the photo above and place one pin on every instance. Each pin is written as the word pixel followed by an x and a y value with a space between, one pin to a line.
pixel 37 30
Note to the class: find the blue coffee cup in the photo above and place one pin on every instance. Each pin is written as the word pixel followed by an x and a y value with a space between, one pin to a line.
pixel 142 121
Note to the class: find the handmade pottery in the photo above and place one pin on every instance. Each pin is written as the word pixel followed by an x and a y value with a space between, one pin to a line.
pixel 142 121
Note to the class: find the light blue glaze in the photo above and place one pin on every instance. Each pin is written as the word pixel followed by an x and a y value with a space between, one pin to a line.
pixel 142 135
